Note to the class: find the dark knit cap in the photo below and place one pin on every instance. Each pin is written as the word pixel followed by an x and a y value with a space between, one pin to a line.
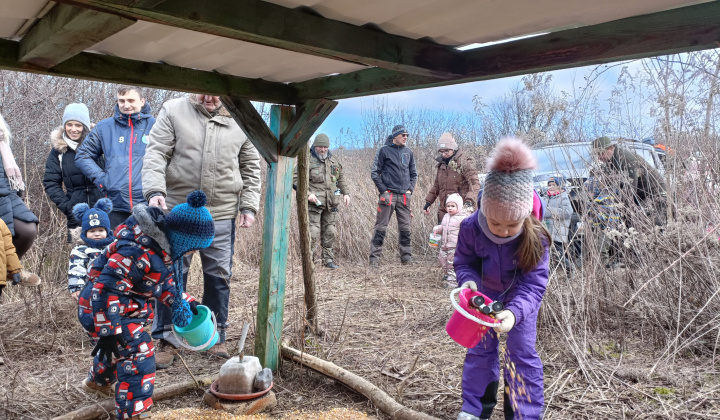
pixel 397 130
pixel 321 140
pixel 95 217
pixel 189 226
pixel 559 180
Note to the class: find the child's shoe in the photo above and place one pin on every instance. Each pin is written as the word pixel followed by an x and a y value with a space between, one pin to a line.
pixel 102 390
pixel 142 416
pixel 467 416
pixel 26 278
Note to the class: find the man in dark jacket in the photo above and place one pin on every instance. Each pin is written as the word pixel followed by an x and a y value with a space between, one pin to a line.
pixel 394 174
pixel 639 183
pixel 120 143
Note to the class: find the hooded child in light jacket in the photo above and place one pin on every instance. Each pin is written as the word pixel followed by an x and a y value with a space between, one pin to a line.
pixel 449 228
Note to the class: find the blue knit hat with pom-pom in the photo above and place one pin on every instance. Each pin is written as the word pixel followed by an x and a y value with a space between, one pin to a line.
pixel 94 217
pixel 189 226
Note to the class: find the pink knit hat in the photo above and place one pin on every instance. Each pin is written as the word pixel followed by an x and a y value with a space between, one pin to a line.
pixel 455 198
pixel 508 190
pixel 447 141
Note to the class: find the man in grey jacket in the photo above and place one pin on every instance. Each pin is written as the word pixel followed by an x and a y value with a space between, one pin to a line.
pixel 197 145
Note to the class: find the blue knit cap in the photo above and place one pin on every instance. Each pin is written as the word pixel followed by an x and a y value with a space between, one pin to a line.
pixel 397 130
pixel 95 217
pixel 189 226
pixel 559 180
pixel 77 112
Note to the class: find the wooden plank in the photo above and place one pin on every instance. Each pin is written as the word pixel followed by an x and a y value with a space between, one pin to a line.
pixel 309 117
pixel 105 68
pixel 254 126
pixel 273 262
pixel 690 28
pixel 294 30
pixel 65 32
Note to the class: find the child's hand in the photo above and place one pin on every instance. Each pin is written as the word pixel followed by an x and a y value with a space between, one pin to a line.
pixel 75 295
pixel 437 229
pixel 507 321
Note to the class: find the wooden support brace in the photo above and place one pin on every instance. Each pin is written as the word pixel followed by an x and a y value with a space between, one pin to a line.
pixel 309 117
pixel 273 262
pixel 254 126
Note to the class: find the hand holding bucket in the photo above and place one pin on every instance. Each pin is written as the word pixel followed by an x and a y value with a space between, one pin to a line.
pixel 201 333
pixel 467 326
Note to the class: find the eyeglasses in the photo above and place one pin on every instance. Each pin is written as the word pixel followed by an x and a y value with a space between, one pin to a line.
pixel 404 135
pixel 443 151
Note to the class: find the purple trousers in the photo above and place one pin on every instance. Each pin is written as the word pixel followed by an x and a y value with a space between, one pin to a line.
pixel 523 373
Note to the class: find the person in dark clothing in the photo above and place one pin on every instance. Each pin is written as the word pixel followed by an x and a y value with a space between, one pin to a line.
pixel 119 144
pixel 13 211
pixel 394 174
pixel 64 182
pixel 640 184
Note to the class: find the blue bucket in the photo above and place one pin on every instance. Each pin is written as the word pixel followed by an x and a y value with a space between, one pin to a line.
pixel 201 333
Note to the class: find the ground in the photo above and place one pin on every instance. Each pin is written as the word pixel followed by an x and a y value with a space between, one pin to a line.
pixel 382 325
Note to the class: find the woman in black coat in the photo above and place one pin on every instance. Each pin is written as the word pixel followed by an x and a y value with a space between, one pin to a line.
pixel 16 215
pixel 60 169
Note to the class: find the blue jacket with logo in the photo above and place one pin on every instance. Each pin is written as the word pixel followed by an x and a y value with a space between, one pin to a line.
pixel 121 140
pixel 394 169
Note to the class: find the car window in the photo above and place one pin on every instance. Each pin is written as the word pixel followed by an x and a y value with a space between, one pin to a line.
pixel 570 160
pixel 646 154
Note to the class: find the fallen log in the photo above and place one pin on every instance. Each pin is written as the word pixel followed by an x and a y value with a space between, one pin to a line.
pixel 106 406
pixel 376 395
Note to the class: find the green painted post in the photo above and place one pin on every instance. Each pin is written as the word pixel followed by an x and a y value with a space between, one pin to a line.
pixel 271 294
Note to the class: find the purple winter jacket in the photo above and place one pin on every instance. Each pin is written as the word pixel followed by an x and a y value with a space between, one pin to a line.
pixel 494 269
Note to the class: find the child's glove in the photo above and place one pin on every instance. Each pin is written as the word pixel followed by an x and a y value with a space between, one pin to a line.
pixel 16 279
pixel 193 307
pixel 107 346
pixel 469 285
pixel 507 321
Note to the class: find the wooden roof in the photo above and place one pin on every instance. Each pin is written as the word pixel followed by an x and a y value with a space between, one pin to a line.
pixel 288 51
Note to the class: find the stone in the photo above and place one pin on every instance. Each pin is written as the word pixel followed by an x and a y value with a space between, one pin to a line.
pixel 237 377
pixel 263 380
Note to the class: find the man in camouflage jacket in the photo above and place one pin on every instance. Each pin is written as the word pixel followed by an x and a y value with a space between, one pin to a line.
pixel 327 190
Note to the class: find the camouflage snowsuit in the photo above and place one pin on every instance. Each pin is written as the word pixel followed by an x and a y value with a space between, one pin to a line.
pixel 117 299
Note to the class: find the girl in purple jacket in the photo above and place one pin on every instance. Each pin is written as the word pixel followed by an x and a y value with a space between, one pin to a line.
pixel 502 251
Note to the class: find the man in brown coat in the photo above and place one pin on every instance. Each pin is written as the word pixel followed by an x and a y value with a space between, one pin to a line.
pixel 456 173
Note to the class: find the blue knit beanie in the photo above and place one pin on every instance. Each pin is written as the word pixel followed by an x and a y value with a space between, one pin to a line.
pixel 77 112
pixel 559 180
pixel 397 130
pixel 189 226
pixel 95 217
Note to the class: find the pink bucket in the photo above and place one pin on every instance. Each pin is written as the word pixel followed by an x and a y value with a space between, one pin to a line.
pixel 465 331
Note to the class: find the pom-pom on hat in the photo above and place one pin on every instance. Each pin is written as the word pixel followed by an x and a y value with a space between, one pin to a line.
pixel 455 198
pixel 447 141
pixel 93 217
pixel 508 189
pixel 189 226
pixel 322 140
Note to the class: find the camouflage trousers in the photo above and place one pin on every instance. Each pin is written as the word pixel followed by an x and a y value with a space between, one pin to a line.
pixel 322 230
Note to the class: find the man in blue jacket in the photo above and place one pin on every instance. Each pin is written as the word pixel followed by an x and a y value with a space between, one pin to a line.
pixel 394 174
pixel 120 141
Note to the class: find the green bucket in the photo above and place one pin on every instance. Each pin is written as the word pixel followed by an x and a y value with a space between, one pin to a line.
pixel 201 333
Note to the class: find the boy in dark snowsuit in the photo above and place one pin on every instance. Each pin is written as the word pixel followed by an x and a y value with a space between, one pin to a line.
pixel 96 235
pixel 116 303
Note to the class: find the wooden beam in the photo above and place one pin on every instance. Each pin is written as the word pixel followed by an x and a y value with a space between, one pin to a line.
pixel 254 127
pixel 294 30
pixel 308 119
pixel 273 262
pixel 105 68
pixel 65 32
pixel 690 28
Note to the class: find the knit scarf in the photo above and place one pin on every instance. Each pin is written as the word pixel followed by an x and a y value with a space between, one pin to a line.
pixel 12 171
pixel 553 193
pixel 181 313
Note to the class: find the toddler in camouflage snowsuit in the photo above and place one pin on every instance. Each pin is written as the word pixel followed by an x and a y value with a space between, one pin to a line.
pixel 116 303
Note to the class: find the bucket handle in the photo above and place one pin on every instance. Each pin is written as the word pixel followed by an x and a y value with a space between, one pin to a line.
pixel 202 346
pixel 467 314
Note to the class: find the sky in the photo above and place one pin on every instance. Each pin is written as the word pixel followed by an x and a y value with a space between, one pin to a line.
pixel 454 98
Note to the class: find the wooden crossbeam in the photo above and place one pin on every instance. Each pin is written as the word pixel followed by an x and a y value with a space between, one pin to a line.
pixel 105 68
pixel 308 118
pixel 690 28
pixel 294 30
pixel 65 32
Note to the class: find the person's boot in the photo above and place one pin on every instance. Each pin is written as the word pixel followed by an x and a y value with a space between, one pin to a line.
pixel 219 350
pixel 102 390
pixel 141 416
pixel 164 355
pixel 467 416
pixel 374 264
pixel 26 278
pixel 331 265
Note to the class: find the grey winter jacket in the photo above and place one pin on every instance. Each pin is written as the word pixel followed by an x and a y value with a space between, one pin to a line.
pixel 558 211
pixel 394 169
pixel 190 149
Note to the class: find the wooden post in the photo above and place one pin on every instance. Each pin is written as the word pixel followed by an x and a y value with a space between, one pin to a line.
pixel 305 241
pixel 273 263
